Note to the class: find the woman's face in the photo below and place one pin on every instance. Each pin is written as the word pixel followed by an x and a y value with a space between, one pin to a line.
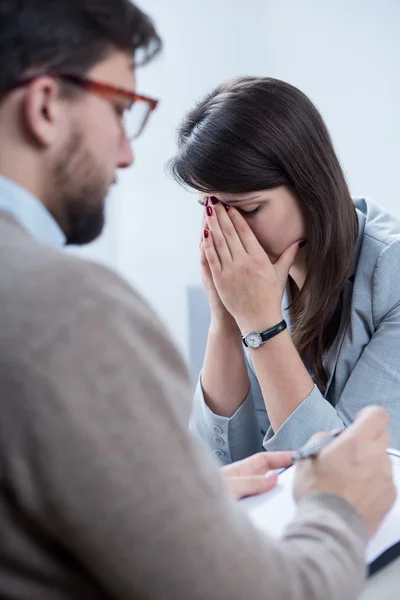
pixel 274 215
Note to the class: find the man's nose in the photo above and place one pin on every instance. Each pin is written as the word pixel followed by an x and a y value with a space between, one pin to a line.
pixel 126 156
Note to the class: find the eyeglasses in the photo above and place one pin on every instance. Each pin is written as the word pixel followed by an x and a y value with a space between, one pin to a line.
pixel 133 117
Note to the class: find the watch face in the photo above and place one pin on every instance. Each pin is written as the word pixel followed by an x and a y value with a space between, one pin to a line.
pixel 253 340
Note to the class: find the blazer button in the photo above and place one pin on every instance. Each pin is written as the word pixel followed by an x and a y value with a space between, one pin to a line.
pixel 218 440
pixel 216 429
pixel 219 452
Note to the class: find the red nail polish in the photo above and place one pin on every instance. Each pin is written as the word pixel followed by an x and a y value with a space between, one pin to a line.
pixel 226 206
pixel 303 243
pixel 206 202
pixel 209 211
pixel 205 234
pixel 214 200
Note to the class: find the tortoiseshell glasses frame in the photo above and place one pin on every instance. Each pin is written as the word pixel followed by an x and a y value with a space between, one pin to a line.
pixel 139 109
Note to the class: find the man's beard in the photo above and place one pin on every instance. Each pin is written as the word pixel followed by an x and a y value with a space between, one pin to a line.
pixel 80 188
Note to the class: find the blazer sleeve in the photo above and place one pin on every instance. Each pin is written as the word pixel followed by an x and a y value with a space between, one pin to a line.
pixel 229 438
pixel 105 466
pixel 375 378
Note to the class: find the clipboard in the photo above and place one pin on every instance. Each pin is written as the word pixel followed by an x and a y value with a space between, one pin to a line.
pixel 273 511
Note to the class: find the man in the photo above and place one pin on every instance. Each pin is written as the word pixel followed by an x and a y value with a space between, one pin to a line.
pixel 102 492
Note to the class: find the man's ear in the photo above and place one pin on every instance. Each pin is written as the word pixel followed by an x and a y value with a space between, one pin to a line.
pixel 42 110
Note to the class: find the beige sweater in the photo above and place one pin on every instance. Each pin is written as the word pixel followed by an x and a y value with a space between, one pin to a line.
pixel 103 494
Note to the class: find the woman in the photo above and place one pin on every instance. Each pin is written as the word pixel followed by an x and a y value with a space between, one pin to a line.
pixel 284 243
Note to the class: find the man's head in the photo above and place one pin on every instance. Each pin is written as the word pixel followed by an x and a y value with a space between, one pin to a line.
pixel 63 138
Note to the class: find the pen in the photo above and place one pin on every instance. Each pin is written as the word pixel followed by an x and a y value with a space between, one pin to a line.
pixel 311 450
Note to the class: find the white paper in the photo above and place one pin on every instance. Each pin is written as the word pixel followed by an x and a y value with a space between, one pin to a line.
pixel 272 512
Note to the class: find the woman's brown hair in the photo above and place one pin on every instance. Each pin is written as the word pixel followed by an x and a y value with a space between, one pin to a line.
pixel 252 134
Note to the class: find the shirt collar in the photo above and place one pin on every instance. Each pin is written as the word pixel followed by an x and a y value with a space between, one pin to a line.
pixel 30 213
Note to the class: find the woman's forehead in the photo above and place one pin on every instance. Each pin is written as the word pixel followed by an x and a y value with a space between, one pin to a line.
pixel 232 198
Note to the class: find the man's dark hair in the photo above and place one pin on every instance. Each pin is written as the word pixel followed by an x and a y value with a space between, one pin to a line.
pixel 69 36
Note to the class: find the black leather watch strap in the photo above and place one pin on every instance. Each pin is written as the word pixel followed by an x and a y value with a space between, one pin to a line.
pixel 268 333
pixel 273 331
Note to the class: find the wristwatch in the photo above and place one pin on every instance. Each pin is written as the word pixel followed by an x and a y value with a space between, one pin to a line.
pixel 255 339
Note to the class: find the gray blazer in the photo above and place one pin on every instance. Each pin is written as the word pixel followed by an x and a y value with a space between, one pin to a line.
pixel 363 363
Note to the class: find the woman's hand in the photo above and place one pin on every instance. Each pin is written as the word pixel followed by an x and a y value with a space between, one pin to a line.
pixel 248 284
pixel 249 477
pixel 220 317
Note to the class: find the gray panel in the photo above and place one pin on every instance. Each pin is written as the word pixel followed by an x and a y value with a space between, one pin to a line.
pixel 199 322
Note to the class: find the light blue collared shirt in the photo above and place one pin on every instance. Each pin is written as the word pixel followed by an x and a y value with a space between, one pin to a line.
pixel 30 213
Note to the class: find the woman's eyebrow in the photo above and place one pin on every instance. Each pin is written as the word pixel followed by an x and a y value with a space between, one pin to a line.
pixel 252 199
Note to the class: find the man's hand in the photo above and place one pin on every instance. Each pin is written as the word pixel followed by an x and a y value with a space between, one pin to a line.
pixel 355 466
pixel 248 477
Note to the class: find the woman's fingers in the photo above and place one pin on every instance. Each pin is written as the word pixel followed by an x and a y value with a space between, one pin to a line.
pixel 244 232
pixel 279 460
pixel 203 226
pixel 220 221
pixel 220 242
pixel 259 463
pixel 209 259
pixel 286 260
pixel 240 487
pixel 211 253
pixel 204 262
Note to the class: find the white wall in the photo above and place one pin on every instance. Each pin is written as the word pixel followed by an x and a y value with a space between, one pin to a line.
pixel 345 54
